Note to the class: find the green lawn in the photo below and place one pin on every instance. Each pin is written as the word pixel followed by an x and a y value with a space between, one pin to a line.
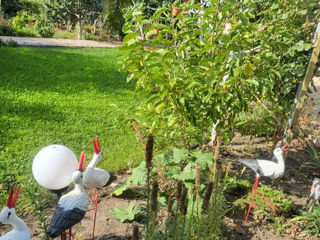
pixel 62 96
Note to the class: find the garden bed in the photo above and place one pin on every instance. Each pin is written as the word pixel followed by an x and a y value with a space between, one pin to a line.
pixel 300 171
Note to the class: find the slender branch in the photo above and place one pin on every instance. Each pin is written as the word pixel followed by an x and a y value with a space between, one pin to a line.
pixel 138 132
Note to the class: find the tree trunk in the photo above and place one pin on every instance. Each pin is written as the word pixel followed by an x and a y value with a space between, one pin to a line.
pixel 79 28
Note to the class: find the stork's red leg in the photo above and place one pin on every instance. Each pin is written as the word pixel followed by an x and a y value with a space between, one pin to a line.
pixel 254 191
pixel 268 202
pixel 70 233
pixel 96 199
pixel 63 236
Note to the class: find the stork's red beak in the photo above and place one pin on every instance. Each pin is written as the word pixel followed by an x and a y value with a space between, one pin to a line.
pixel 81 162
pixel 13 198
pixel 285 148
pixel 96 146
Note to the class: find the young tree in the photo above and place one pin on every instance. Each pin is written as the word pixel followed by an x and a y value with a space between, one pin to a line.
pixel 212 60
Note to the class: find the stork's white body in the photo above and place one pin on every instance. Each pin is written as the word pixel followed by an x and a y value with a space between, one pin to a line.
pixel 20 230
pixel 94 177
pixel 267 168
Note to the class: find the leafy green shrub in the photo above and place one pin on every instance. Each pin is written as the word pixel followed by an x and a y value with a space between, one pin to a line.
pixel 11 43
pixel 6 30
pixel 46 31
pixel 20 20
pixel 5 27
pixel 2 43
pixel 313 153
pixel 182 185
pixel 8 43
pixel 25 32
pixel 215 62
pixel 309 222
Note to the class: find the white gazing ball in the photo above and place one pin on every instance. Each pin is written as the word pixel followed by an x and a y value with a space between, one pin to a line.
pixel 53 166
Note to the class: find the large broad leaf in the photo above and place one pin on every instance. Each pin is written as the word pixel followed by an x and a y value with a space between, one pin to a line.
pixel 173 171
pixel 179 155
pixel 139 174
pixel 248 68
pixel 204 160
pixel 188 173
pixel 125 214
pixel 163 159
pixel 121 188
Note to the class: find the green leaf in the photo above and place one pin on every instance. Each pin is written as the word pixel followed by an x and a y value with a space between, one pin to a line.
pixel 179 155
pixel 173 171
pixel 248 69
pixel 302 12
pixel 244 19
pixel 139 174
pixel 254 82
pixel 130 38
pixel 161 26
pixel 163 159
pixel 188 173
pixel 121 188
pixel 125 214
pixel 204 160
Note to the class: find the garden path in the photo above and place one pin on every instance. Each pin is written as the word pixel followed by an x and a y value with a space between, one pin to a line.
pixel 59 42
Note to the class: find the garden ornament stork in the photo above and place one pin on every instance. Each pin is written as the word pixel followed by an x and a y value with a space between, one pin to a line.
pixel 71 207
pixel 94 177
pixel 8 216
pixel 314 195
pixel 268 169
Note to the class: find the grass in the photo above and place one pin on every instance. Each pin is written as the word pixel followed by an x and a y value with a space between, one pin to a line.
pixel 62 96
pixel 65 34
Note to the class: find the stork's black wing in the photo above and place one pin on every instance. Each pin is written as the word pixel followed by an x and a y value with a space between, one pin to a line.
pixel 63 219
pixel 253 164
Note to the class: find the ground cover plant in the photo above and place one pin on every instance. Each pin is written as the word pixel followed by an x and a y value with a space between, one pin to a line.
pixel 184 195
pixel 62 96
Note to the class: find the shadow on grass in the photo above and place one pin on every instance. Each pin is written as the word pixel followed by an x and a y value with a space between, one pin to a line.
pixel 62 70
pixel 28 111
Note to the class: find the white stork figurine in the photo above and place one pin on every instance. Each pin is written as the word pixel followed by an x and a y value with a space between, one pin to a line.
pixel 314 195
pixel 72 206
pixel 8 216
pixel 94 177
pixel 268 169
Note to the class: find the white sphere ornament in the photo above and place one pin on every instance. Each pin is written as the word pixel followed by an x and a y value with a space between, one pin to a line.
pixel 53 166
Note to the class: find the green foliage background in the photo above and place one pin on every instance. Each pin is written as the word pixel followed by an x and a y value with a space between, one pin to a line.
pixel 196 71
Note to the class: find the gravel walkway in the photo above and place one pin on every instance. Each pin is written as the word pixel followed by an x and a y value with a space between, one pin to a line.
pixel 58 42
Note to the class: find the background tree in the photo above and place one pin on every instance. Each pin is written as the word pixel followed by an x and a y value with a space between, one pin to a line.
pixel 79 10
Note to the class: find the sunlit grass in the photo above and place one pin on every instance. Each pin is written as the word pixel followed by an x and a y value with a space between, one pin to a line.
pixel 62 96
